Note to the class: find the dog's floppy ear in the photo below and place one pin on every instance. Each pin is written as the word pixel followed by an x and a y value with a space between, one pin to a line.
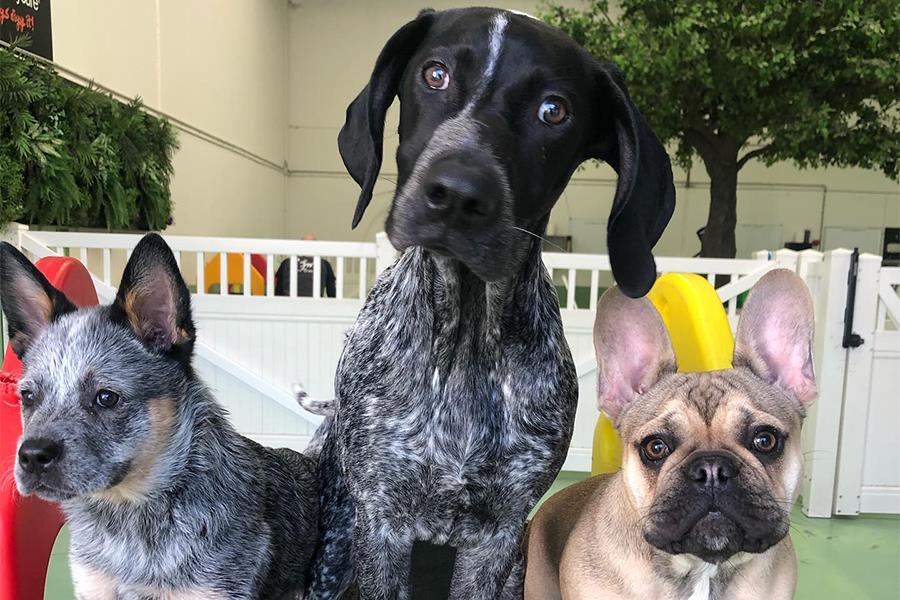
pixel 153 299
pixel 645 193
pixel 775 335
pixel 633 350
pixel 361 138
pixel 29 302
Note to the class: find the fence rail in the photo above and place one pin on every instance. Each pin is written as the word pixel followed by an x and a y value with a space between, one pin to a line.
pixel 252 346
pixel 255 258
pixel 247 266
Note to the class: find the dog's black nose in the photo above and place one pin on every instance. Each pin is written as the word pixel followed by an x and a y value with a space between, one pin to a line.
pixel 36 455
pixel 712 470
pixel 455 189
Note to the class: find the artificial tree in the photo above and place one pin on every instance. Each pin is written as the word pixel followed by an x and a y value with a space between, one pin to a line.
pixel 816 83
pixel 72 156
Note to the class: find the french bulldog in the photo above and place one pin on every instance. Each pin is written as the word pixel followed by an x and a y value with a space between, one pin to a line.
pixel 710 468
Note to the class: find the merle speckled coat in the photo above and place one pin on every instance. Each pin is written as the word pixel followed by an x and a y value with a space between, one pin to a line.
pixel 164 499
pixel 456 391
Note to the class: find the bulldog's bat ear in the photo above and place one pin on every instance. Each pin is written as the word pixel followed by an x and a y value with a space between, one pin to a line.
pixel 633 350
pixel 775 335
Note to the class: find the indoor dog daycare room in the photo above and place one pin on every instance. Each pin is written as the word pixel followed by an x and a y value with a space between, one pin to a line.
pixel 394 300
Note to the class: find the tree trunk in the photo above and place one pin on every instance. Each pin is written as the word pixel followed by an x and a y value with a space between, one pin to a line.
pixel 718 237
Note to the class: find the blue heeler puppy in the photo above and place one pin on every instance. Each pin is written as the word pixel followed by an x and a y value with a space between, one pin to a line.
pixel 163 497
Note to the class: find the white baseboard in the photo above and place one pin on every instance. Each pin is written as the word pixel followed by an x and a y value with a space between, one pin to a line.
pixel 880 499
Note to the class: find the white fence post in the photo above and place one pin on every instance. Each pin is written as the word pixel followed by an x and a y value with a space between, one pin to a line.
pixel 386 254
pixel 807 257
pixel 819 439
pixel 12 233
pixel 858 379
pixel 786 259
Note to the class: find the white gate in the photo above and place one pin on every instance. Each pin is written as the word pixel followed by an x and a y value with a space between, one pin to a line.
pixel 868 470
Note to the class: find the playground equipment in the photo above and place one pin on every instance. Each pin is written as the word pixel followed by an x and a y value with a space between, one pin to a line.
pixel 29 526
pixel 234 271
pixel 700 334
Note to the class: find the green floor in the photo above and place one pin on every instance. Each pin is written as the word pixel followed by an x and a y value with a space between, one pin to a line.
pixel 851 558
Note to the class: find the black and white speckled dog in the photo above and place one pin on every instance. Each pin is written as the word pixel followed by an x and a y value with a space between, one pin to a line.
pixel 164 499
pixel 456 391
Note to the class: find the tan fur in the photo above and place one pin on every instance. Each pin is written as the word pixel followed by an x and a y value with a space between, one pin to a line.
pixel 161 416
pixel 177 334
pixel 38 302
pixel 586 542
pixel 92 584
pixel 131 299
pixel 38 299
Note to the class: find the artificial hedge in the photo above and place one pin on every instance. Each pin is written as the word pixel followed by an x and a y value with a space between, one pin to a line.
pixel 72 156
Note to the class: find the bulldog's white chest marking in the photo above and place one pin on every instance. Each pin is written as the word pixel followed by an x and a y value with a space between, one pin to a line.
pixel 703 583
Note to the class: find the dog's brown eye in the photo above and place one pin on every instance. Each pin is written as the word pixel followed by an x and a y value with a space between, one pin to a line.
pixel 553 110
pixel 106 398
pixel 436 75
pixel 655 449
pixel 765 441
pixel 27 397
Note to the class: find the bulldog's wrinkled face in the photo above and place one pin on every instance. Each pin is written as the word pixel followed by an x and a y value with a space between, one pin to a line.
pixel 713 462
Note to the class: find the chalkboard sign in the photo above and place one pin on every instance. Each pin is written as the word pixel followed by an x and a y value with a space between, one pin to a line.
pixel 31 17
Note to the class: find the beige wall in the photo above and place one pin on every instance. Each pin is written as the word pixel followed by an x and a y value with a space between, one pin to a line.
pixel 333 45
pixel 219 66
pixel 273 78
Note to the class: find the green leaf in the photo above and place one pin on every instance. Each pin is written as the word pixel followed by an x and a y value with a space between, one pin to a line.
pixel 75 157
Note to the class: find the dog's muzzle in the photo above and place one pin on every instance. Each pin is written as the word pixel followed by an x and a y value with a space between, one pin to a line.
pixel 461 195
pixel 458 205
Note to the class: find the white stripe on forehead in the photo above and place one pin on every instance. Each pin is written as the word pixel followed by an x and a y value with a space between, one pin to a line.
pixel 498 29
pixel 495 45
pixel 523 14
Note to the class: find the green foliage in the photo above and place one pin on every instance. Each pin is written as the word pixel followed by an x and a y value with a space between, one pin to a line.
pixel 10 189
pixel 814 82
pixel 75 157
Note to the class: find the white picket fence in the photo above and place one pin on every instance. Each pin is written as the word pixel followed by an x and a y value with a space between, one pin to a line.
pixel 253 346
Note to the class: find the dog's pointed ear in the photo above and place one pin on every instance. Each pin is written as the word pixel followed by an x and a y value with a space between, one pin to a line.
pixel 29 302
pixel 633 350
pixel 361 138
pixel 153 299
pixel 645 193
pixel 775 335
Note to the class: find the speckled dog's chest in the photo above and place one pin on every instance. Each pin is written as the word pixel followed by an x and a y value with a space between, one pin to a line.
pixel 444 412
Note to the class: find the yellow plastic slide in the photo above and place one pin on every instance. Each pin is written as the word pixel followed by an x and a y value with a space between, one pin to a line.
pixel 700 334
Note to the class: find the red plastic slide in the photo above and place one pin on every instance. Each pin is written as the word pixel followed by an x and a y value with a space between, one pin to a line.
pixel 29 526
